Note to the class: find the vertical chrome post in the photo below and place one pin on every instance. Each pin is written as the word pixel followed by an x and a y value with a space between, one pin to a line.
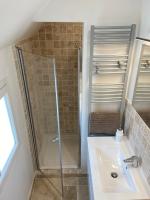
pixel 79 99
pixel 28 105
pixel 58 125
pixel 90 75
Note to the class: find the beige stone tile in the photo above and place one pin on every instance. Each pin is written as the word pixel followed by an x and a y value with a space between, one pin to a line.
pixel 82 181
pixel 45 190
pixel 70 181
pixel 82 193
pixel 139 136
pixel 70 193
pixel 75 188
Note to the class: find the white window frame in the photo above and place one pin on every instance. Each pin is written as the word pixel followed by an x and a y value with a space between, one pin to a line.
pixel 4 92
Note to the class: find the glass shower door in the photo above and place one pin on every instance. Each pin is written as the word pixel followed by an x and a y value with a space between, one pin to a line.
pixel 39 81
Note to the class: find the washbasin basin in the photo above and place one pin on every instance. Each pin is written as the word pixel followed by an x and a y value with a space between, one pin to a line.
pixel 114 173
pixel 110 176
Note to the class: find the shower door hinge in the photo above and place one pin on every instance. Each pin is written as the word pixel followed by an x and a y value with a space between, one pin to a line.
pixel 55 139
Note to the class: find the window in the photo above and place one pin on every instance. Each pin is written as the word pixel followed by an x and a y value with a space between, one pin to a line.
pixel 7 135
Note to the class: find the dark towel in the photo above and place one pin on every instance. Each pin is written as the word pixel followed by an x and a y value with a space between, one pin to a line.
pixel 104 122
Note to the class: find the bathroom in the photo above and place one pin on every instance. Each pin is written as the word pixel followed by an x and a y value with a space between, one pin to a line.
pixel 74 100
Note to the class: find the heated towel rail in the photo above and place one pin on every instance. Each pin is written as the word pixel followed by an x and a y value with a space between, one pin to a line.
pixel 110 54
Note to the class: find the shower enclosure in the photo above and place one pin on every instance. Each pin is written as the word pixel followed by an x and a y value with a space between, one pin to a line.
pixel 42 113
pixel 52 106
pixel 62 41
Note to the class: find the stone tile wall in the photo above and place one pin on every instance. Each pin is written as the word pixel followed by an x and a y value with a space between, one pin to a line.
pixel 139 137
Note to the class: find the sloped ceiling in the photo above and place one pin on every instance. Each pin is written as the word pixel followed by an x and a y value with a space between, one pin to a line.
pixel 97 12
pixel 16 17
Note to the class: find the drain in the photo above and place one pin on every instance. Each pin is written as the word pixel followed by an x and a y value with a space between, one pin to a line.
pixel 114 174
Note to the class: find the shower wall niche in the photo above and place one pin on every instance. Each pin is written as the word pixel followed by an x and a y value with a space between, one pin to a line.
pixel 60 41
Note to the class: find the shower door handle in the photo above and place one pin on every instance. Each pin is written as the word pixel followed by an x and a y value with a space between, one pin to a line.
pixel 55 139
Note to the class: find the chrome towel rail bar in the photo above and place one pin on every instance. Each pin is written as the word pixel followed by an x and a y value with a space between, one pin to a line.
pixel 110 42
pixel 107 59
pixel 110 72
pixel 144 85
pixel 112 27
pixel 107 92
pixel 115 67
pixel 142 100
pixel 145 71
pixel 97 64
pixel 106 87
pixel 110 101
pixel 99 55
pixel 109 84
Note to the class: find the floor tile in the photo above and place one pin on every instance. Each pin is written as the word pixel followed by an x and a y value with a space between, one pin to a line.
pixel 82 192
pixel 70 193
pixel 44 189
pixel 75 188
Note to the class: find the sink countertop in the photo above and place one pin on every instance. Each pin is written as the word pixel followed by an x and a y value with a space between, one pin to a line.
pixel 103 150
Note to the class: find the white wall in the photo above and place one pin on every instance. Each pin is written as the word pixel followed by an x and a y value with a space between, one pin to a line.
pixel 17 183
pixel 16 18
pixel 91 12
pixel 100 12
pixel 145 20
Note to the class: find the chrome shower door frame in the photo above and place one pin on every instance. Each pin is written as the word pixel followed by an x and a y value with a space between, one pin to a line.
pixel 23 76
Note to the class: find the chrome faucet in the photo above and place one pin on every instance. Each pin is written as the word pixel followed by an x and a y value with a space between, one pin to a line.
pixel 133 161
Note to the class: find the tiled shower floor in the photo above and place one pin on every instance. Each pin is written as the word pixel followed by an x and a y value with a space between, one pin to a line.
pixel 49 155
pixel 75 188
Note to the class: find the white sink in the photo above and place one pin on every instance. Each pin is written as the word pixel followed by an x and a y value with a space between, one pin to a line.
pixel 110 166
pixel 110 176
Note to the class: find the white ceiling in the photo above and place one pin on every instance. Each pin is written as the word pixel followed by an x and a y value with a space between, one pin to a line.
pixel 16 17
